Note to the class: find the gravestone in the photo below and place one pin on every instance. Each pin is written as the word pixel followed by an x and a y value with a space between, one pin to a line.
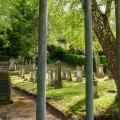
pixel 22 73
pixel 31 76
pixel 64 75
pixel 26 62
pixel 83 71
pixel 79 74
pixel 20 58
pixel 99 66
pixel 68 75
pixel 58 79
pixel 5 88
pixel 95 89
pixel 33 66
pixel 35 75
pixel 51 78
pixel 12 65
pixel 27 77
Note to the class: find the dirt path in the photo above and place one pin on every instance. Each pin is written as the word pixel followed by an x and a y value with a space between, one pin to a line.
pixel 23 108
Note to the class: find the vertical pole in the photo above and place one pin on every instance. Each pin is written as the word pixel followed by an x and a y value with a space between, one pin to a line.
pixel 117 13
pixel 42 50
pixel 89 60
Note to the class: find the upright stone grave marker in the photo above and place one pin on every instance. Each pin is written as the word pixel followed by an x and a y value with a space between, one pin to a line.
pixel 35 75
pixel 23 73
pixel 58 80
pixel 64 75
pixel 99 66
pixel 95 85
pixel 51 78
pixel 31 76
pixel 5 88
pixel 79 74
pixel 20 58
pixel 12 65
pixel 83 71
pixel 68 75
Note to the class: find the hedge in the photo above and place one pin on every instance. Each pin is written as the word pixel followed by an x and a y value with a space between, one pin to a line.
pixel 73 59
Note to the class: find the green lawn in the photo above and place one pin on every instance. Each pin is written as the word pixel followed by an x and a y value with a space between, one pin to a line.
pixel 72 96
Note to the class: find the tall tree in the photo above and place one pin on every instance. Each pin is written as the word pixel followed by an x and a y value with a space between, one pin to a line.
pixel 105 35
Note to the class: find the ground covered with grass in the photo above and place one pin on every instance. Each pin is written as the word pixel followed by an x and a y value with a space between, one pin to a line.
pixel 72 96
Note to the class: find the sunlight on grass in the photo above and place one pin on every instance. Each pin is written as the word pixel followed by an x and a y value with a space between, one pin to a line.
pixel 72 96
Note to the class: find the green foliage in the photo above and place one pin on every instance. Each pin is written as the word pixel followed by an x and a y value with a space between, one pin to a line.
pixel 74 59
pixel 58 52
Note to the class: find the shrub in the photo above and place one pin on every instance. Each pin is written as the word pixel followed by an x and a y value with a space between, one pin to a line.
pixel 74 59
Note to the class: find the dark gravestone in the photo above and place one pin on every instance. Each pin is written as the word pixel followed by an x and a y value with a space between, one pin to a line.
pixel 5 88
pixel 58 79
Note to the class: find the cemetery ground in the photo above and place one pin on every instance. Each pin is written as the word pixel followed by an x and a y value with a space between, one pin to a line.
pixel 23 108
pixel 71 97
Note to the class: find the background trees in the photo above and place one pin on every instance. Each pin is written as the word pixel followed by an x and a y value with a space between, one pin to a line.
pixel 19 25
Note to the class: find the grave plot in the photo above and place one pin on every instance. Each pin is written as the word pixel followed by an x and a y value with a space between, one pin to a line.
pixel 71 96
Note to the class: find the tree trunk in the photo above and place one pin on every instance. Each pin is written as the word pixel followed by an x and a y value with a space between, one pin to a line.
pixel 106 38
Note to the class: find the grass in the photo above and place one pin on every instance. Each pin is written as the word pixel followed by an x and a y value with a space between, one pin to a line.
pixel 72 96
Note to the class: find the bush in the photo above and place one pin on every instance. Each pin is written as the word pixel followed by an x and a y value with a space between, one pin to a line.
pixel 56 52
pixel 74 59
pixel 103 60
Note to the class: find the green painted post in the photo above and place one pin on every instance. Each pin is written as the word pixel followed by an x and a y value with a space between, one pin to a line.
pixel 89 60
pixel 42 50
pixel 117 12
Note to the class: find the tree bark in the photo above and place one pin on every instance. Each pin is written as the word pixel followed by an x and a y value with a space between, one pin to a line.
pixel 106 38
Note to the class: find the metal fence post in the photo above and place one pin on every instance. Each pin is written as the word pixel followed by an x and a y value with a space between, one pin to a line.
pixel 89 60
pixel 42 50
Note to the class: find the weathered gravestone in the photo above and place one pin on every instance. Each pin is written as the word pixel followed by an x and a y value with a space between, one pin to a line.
pixel 5 88
pixel 68 75
pixel 12 65
pixel 99 66
pixel 95 85
pixel 51 78
pixel 83 71
pixel 64 75
pixel 31 75
pixel 58 79
pixel 79 74
pixel 23 73
pixel 35 74
pixel 20 58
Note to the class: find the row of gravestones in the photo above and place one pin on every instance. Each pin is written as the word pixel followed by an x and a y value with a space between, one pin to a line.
pixel 28 75
pixel 13 64
pixel 56 81
pixel 23 60
pixel 55 76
